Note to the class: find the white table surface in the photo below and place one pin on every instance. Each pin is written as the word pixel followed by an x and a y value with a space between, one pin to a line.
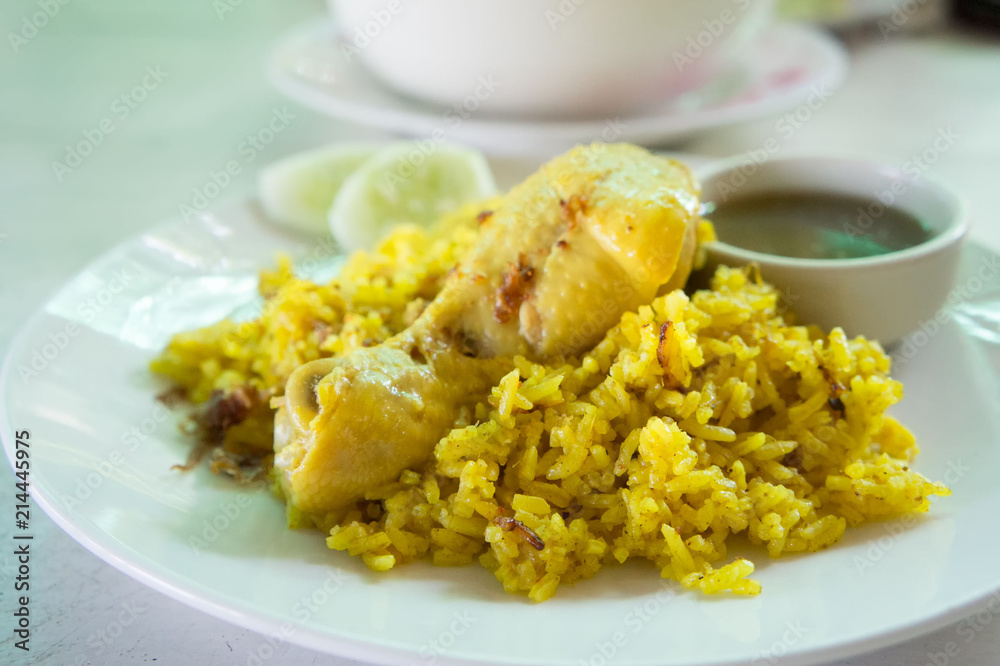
pixel 899 95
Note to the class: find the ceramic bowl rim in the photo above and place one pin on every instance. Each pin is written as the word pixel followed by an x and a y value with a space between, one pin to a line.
pixel 952 233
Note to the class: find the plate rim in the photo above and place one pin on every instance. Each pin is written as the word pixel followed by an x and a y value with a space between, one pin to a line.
pixel 337 644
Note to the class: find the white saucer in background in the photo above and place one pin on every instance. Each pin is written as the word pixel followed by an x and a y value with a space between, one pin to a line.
pixel 786 66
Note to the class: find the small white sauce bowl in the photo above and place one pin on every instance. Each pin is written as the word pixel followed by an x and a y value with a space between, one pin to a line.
pixel 547 58
pixel 882 297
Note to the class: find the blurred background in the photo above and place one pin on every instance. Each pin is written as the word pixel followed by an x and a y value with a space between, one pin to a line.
pixel 165 92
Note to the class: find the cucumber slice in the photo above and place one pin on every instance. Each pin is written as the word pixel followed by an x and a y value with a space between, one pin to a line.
pixel 298 190
pixel 407 182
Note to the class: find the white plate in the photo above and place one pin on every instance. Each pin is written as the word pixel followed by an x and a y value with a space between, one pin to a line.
pixel 786 66
pixel 102 451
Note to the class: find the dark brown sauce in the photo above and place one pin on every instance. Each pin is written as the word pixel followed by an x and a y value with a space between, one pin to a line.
pixel 816 225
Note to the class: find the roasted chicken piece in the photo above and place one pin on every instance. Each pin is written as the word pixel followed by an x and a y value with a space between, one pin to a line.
pixel 593 234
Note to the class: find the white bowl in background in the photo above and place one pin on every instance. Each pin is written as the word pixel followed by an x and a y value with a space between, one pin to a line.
pixel 547 58
pixel 882 297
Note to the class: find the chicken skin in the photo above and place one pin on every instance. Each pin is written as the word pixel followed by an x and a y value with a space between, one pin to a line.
pixel 593 234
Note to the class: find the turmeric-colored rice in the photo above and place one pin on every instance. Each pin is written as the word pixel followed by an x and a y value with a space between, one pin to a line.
pixel 695 419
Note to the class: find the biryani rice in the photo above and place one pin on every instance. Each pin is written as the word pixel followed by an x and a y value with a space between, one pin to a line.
pixel 694 419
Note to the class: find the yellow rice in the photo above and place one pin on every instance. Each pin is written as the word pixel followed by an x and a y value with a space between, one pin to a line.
pixel 695 419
